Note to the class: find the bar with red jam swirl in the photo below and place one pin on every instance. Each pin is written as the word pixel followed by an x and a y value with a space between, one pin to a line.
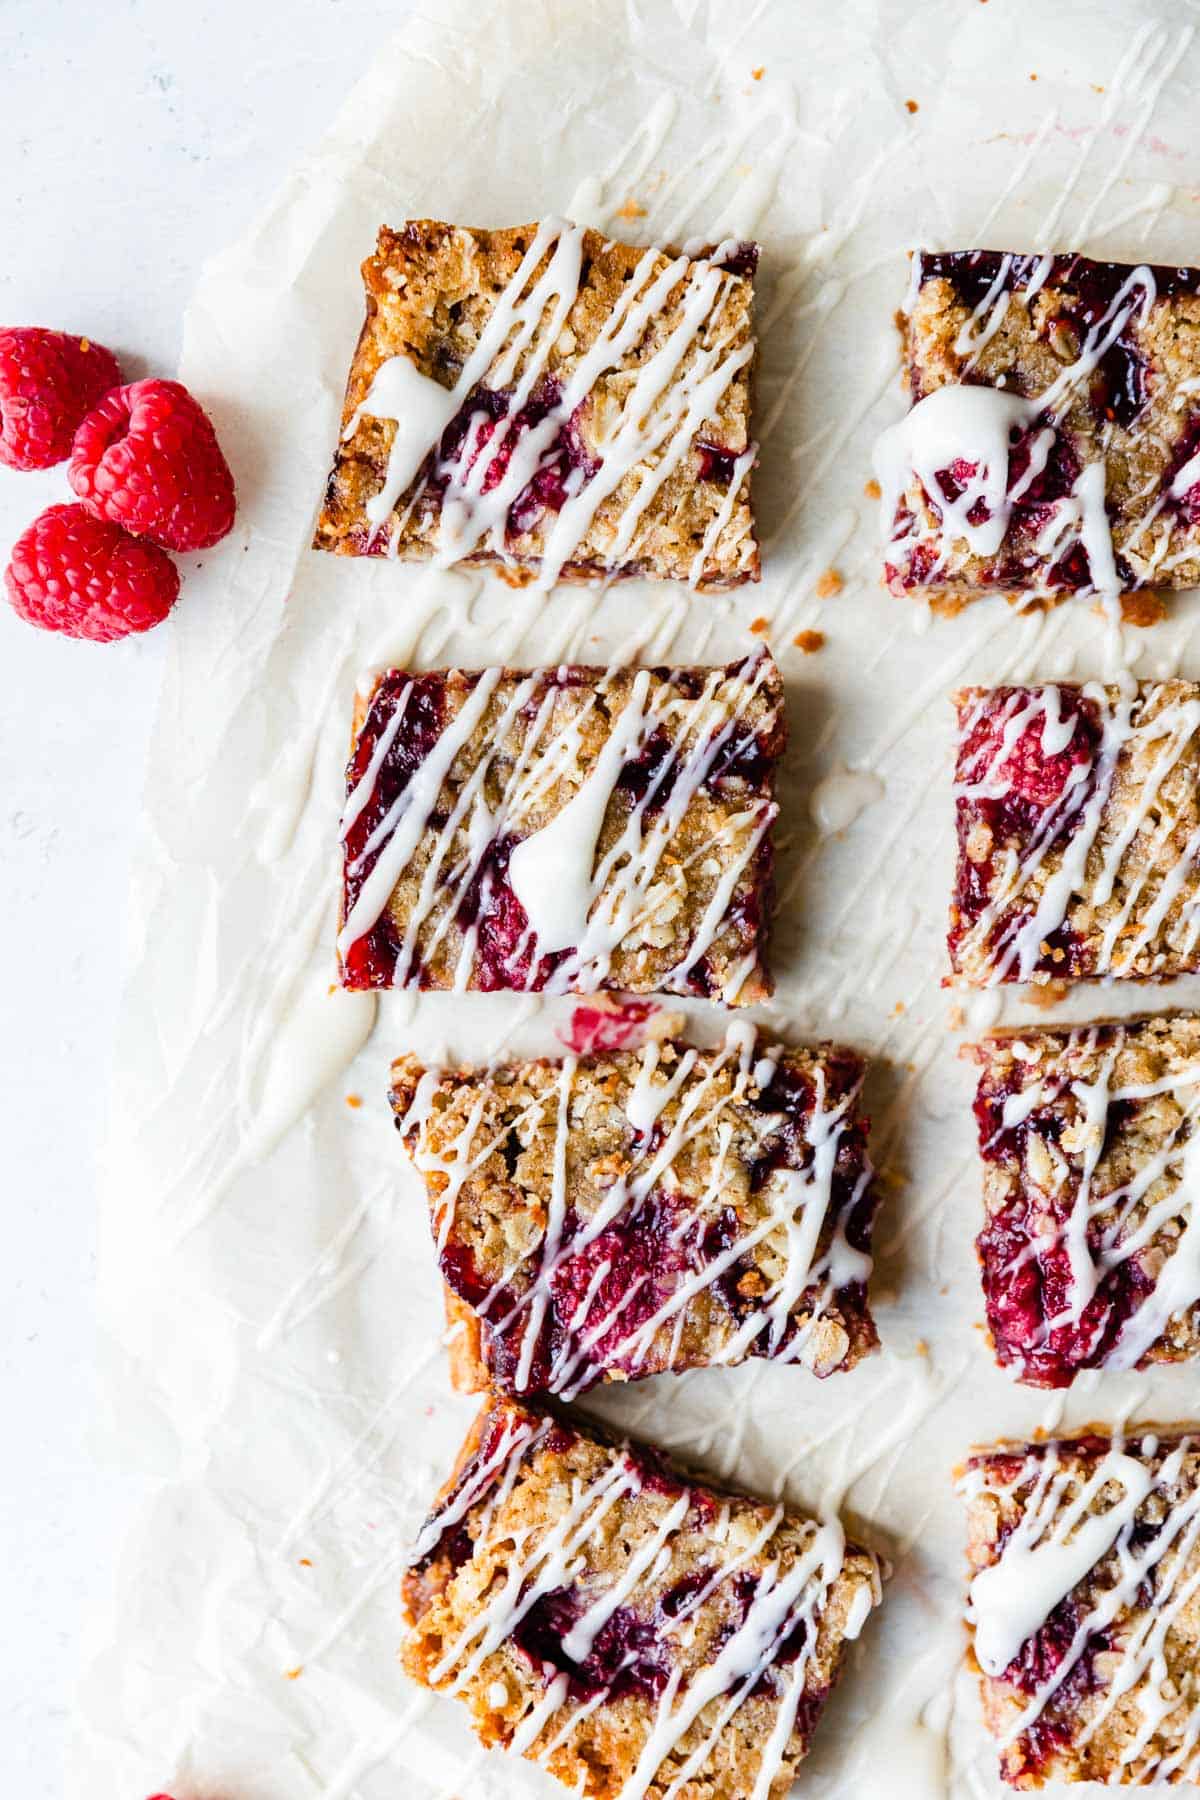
pixel 1084 1605
pixel 1090 1249
pixel 567 830
pixel 551 403
pixel 609 1217
pixel 633 1631
pixel 1078 822
pixel 1052 442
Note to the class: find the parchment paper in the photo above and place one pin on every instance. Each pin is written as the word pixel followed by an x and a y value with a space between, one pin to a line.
pixel 270 1310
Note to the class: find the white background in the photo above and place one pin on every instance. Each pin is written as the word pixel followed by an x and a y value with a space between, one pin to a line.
pixel 138 139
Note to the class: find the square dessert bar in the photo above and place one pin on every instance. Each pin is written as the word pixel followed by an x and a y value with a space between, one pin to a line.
pixel 631 1630
pixel 1078 822
pixel 568 829
pixel 1053 443
pixel 552 402
pixel 1085 1602
pixel 1090 1248
pixel 614 1216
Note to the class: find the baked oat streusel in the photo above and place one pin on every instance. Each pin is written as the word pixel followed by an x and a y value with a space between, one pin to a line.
pixel 615 1216
pixel 638 1634
pixel 553 402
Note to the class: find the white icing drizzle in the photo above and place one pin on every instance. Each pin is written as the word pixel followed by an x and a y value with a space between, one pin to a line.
pixel 576 900
pixel 987 317
pixel 839 797
pixel 551 870
pixel 421 409
pixel 675 391
pixel 1153 726
pixel 398 833
pixel 971 429
pixel 1039 1567
pixel 797 1212
pixel 1106 1226
pixel 786 1604
pixel 1070 1523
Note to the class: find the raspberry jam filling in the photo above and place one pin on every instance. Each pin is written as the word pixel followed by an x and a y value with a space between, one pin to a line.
pixel 1026 771
pixel 1035 507
pixel 790 1095
pixel 601 1295
pixel 1093 286
pixel 504 944
pixel 742 259
pixel 1034 784
pixel 628 1655
pixel 716 463
pixel 743 757
pixel 1118 389
pixel 649 777
pixel 1188 446
pixel 472 429
pixel 1036 1665
pixel 1024 1288
pixel 371 961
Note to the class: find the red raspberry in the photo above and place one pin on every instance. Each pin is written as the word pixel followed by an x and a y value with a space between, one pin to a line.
pixel 148 459
pixel 48 381
pixel 88 577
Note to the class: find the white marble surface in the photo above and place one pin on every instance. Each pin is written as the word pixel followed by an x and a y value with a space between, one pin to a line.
pixel 139 138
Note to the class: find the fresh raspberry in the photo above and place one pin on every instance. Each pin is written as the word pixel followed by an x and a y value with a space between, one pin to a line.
pixel 89 578
pixel 605 1027
pixel 48 381
pixel 148 458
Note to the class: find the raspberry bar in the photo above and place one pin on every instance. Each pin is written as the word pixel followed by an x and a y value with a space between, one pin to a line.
pixel 551 402
pixel 1078 825
pixel 638 1635
pixel 1091 1244
pixel 1085 1604
pixel 1053 441
pixel 614 1216
pixel 564 829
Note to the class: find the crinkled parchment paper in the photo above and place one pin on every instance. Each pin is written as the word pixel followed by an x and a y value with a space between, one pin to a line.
pixel 270 1311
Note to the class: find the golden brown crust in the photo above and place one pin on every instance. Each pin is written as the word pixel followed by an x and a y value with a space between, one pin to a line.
pixel 468 1371
pixel 431 288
